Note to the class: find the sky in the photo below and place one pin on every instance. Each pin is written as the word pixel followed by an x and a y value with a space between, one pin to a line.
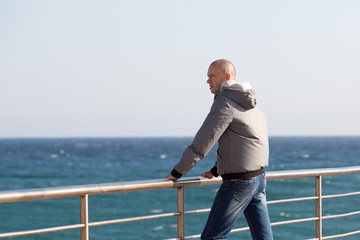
pixel 139 68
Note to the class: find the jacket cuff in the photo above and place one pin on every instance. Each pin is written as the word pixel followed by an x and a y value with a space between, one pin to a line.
pixel 176 173
pixel 214 171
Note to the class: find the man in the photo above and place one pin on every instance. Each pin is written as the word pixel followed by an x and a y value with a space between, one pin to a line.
pixel 241 131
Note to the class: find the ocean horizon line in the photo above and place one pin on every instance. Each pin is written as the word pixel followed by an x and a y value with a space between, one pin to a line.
pixel 170 136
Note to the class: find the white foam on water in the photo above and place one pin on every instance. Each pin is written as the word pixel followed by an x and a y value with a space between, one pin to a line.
pixel 158 228
pixel 156 211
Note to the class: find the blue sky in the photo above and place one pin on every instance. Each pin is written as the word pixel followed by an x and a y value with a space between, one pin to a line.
pixel 138 68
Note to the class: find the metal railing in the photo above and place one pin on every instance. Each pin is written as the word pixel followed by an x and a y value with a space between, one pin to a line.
pixel 84 191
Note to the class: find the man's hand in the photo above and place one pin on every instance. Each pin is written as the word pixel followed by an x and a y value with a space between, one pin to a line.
pixel 207 174
pixel 170 177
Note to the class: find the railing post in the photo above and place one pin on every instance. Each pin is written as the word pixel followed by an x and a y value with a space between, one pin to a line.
pixel 180 209
pixel 84 217
pixel 319 208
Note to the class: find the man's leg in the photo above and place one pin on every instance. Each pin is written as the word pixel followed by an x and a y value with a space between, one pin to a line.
pixel 257 214
pixel 230 202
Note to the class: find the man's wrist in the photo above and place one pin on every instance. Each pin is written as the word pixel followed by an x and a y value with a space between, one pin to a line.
pixel 175 173
pixel 214 171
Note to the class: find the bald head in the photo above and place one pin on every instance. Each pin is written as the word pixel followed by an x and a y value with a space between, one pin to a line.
pixel 225 66
pixel 220 71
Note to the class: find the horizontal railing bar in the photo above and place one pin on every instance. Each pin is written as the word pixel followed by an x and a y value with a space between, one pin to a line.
pixel 239 229
pixel 97 189
pixel 294 221
pixel 341 195
pixel 132 219
pixel 282 223
pixel 341 215
pixel 342 235
pixel 198 211
pixel 274 175
pixel 43 230
pixel 268 202
pixel 193 237
pixel 292 200
pixel 106 188
pixel 338 235
pixel 232 231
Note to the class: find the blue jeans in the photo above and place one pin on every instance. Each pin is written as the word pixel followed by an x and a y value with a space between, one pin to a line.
pixel 234 198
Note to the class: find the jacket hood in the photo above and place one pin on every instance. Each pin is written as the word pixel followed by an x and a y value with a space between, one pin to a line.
pixel 241 93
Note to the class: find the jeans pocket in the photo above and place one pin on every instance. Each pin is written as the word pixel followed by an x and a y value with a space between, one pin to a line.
pixel 244 189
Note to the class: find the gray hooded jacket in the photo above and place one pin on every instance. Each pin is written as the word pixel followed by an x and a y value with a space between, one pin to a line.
pixel 240 129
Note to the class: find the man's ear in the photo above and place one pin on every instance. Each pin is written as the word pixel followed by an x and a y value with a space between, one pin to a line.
pixel 227 76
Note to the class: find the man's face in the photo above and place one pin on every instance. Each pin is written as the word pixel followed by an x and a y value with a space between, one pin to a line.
pixel 216 78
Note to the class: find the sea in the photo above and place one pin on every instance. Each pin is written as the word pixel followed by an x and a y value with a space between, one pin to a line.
pixel 52 162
